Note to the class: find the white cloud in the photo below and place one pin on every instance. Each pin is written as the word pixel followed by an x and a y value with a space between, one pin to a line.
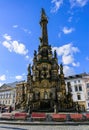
pixel 26 30
pixel 15 26
pixel 68 70
pixel 15 46
pixel 19 48
pixel 57 5
pixel 87 58
pixel 3 77
pixel 67 59
pixel 23 29
pixel 78 3
pixel 7 45
pixel 19 77
pixel 66 49
pixel 76 64
pixel 67 53
pixel 67 30
pixel 7 37
pixel 27 57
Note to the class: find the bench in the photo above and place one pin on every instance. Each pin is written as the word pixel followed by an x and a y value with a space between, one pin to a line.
pixel 58 117
pixel 21 116
pixel 6 116
pixel 38 116
pixel 86 116
pixel 76 117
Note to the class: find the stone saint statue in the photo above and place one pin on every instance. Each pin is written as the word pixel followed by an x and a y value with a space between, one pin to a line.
pixel 61 68
pixel 29 69
pixel 35 53
pixel 55 54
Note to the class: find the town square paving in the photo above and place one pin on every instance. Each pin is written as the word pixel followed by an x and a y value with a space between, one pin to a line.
pixel 43 127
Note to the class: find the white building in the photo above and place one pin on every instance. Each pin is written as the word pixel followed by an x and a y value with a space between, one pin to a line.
pixel 7 96
pixel 79 85
pixel 86 84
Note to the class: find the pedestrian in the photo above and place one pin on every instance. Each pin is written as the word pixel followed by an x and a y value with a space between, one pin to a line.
pixel 10 109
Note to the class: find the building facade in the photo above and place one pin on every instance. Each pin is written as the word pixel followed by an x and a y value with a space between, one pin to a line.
pixel 79 89
pixel 7 96
pixel 86 84
pixel 21 91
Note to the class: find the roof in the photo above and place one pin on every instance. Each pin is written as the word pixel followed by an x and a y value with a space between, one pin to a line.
pixel 9 86
pixel 77 76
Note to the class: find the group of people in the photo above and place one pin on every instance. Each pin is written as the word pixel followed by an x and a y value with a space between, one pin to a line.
pixel 6 109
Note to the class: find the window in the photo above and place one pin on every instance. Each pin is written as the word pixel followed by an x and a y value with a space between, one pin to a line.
pixel 13 101
pixel 7 95
pixel 87 85
pixel 79 97
pixel 78 81
pixel 3 95
pixel 75 81
pixel 3 102
pixel 10 95
pixel 13 95
pixel 69 87
pixel 76 88
pixel 88 93
pixel 80 88
pixel 6 101
pixel 9 102
pixel 88 104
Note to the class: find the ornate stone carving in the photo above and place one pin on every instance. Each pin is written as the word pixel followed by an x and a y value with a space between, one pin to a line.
pixel 45 86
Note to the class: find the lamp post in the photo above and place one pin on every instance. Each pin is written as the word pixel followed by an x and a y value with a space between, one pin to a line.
pixel 59 105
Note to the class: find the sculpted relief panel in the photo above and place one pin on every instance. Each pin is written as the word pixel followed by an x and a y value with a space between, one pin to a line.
pixel 45 84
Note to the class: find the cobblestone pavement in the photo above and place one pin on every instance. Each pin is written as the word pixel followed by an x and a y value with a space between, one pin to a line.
pixel 42 127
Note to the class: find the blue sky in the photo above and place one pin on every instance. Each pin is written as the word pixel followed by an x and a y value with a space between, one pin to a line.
pixel 68 32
